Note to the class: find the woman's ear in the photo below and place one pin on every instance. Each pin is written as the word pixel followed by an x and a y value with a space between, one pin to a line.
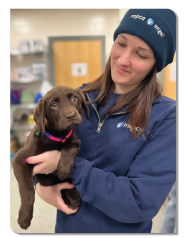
pixel 84 104
pixel 39 114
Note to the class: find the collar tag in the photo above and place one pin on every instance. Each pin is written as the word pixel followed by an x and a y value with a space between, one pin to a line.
pixel 38 133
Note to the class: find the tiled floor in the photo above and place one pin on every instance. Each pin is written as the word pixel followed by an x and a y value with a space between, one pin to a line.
pixel 45 215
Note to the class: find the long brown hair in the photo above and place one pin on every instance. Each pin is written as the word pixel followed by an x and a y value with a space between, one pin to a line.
pixel 139 100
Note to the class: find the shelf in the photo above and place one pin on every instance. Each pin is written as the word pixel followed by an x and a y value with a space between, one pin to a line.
pixel 24 106
pixel 29 81
pixel 35 53
pixel 19 128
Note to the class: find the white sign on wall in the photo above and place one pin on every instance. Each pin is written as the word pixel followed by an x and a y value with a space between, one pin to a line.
pixel 79 69
pixel 173 71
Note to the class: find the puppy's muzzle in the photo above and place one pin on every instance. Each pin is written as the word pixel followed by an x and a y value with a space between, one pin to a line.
pixel 71 116
pixel 73 119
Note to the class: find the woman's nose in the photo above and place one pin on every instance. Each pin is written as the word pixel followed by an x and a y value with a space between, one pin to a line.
pixel 125 59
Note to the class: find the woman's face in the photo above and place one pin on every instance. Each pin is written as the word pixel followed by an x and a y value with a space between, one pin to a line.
pixel 131 61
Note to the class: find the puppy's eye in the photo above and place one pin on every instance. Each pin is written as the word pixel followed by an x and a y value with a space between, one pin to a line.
pixel 54 104
pixel 74 99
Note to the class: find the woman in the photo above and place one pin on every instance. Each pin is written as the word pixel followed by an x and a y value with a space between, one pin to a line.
pixel 127 163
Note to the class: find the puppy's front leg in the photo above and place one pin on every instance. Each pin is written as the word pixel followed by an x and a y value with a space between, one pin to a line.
pixel 68 154
pixel 23 174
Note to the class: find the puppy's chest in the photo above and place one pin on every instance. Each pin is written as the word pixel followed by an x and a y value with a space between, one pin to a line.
pixel 43 144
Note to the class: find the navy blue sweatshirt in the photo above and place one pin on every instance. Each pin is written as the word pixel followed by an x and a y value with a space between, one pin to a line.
pixel 122 182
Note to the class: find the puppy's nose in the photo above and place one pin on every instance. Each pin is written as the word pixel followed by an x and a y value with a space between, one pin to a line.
pixel 71 116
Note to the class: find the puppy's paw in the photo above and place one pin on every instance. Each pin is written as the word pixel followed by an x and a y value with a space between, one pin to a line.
pixel 74 198
pixel 71 198
pixel 25 217
pixel 63 172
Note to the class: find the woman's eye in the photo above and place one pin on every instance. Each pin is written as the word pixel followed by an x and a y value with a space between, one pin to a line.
pixel 122 45
pixel 142 57
pixel 74 99
pixel 54 104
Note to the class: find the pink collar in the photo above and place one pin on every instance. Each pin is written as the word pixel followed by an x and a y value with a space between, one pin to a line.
pixel 59 139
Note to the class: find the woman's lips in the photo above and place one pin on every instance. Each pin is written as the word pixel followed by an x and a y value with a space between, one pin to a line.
pixel 121 71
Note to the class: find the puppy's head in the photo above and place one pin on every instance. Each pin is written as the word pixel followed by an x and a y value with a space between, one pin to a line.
pixel 61 109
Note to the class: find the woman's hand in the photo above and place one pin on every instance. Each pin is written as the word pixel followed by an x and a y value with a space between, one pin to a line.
pixel 52 195
pixel 46 162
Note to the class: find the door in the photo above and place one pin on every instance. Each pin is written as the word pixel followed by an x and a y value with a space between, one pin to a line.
pixel 76 60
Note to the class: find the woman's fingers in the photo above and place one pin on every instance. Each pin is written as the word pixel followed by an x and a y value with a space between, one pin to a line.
pixel 48 160
pixel 38 168
pixel 52 195
pixel 36 159
pixel 64 185
pixel 62 206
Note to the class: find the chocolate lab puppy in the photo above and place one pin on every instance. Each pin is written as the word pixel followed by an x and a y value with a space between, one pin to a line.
pixel 56 117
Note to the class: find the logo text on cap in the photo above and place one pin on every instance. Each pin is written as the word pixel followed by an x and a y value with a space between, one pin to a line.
pixel 139 17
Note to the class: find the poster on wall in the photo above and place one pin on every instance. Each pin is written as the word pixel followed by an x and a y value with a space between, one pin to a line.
pixel 79 69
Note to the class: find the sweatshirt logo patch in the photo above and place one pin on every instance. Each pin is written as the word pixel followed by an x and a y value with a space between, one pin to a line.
pixel 122 124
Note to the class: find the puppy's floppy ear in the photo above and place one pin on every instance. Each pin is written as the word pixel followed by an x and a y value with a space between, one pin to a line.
pixel 84 104
pixel 39 114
